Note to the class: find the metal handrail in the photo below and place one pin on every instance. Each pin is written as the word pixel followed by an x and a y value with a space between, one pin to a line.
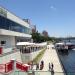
pixel 4 54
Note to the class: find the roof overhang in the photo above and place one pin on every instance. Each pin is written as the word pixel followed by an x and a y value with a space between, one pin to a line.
pixel 13 33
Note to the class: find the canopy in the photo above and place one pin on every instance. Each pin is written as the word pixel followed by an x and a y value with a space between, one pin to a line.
pixel 60 43
pixel 24 43
pixel 31 44
pixel 41 44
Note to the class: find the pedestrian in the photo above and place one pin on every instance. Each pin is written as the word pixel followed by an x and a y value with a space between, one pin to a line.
pixel 49 67
pixel 52 65
pixel 42 62
pixel 37 66
pixel 52 72
pixel 33 72
pixel 32 65
pixel 40 66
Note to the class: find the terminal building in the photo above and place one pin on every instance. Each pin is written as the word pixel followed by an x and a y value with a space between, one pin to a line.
pixel 12 29
pixel 16 49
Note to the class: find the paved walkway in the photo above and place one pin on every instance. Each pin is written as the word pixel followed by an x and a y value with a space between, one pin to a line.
pixel 52 57
pixel 49 56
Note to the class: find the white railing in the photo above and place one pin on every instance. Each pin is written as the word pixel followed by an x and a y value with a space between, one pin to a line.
pixel 8 49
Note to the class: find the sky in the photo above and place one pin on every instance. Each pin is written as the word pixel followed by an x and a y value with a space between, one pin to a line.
pixel 57 17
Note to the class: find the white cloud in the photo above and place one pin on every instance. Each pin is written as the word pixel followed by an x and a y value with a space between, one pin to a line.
pixel 52 7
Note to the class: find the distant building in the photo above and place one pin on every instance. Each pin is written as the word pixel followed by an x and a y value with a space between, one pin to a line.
pixel 33 28
pixel 45 33
pixel 27 20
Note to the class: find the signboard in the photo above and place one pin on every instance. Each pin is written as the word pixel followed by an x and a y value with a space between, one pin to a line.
pixel 2 68
pixel 3 12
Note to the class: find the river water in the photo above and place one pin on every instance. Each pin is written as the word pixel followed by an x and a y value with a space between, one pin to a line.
pixel 69 62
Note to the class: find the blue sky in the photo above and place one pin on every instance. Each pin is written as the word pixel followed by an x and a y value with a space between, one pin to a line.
pixel 55 16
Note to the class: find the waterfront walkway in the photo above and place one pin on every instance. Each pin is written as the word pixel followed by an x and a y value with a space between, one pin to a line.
pixel 52 57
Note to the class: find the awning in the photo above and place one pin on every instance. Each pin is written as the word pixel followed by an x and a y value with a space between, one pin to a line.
pixel 24 43
pixel 31 44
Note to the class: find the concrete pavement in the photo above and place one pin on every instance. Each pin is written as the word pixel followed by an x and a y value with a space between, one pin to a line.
pixel 52 57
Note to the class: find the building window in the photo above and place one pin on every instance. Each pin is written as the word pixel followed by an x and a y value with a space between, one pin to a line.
pixel 3 43
pixel 11 25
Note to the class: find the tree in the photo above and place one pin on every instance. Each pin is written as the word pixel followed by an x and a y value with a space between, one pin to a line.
pixel 37 37
pixel 45 33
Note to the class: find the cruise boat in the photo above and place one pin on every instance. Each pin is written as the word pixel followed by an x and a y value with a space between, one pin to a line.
pixel 70 45
pixel 61 47
pixel 64 47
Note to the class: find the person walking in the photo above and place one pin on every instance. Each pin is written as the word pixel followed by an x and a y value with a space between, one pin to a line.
pixel 37 66
pixel 49 67
pixel 52 65
pixel 32 65
pixel 33 72
pixel 41 65
pixel 52 70
pixel 42 62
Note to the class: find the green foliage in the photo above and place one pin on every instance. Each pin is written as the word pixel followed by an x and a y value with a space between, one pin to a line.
pixel 39 56
pixel 37 37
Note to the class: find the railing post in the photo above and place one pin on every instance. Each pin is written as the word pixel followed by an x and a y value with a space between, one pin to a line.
pixel 14 64
pixel 5 68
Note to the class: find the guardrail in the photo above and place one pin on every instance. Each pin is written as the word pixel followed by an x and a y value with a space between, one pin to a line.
pixel 22 69
pixel 13 65
pixel 13 51
pixel 4 68
pixel 62 63
pixel 41 73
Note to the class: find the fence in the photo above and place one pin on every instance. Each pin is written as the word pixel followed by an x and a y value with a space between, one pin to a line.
pixel 22 67
pixel 9 66
pixel 2 68
pixel 4 50
pixel 5 68
pixel 41 73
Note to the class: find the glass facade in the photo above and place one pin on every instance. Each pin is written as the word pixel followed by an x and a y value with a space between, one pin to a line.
pixel 13 26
